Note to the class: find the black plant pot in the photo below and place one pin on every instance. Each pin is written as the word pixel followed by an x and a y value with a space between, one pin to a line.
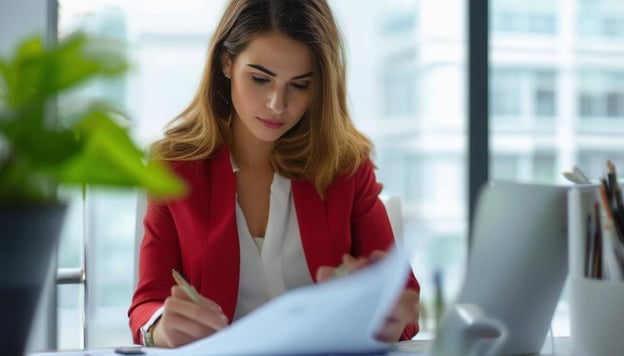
pixel 28 239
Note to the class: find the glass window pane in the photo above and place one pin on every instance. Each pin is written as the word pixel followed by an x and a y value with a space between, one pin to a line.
pixel 406 92
pixel 574 87
pixel 528 17
pixel 601 93
pixel 602 20
pixel 544 167
pixel 506 93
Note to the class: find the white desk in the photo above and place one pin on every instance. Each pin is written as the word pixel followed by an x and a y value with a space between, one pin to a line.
pixel 558 347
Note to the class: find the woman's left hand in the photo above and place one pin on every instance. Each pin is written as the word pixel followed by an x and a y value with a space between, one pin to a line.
pixel 404 312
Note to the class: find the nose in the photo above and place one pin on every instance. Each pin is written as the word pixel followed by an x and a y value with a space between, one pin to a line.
pixel 277 102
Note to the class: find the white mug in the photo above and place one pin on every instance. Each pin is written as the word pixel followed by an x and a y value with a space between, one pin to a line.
pixel 466 331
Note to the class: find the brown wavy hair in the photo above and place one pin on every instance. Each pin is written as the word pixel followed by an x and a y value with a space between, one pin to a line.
pixel 324 143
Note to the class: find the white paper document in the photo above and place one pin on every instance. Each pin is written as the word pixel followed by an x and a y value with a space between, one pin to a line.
pixel 337 316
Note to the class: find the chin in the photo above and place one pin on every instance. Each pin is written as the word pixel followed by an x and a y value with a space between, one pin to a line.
pixel 269 136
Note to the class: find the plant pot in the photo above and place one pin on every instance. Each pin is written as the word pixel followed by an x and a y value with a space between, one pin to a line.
pixel 28 239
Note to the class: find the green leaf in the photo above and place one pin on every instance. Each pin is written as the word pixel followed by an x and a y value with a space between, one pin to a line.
pixel 37 73
pixel 76 62
pixel 40 145
pixel 30 48
pixel 92 150
pixel 110 158
pixel 28 67
pixel 5 72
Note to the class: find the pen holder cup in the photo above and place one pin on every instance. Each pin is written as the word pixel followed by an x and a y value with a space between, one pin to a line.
pixel 596 291
pixel 596 316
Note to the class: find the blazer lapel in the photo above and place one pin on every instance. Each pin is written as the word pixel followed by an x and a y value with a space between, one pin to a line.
pixel 313 226
pixel 223 272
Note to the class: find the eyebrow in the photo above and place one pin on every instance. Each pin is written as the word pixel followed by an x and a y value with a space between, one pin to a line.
pixel 273 74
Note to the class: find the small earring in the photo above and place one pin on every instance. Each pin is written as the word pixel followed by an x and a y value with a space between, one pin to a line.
pixel 224 98
pixel 226 76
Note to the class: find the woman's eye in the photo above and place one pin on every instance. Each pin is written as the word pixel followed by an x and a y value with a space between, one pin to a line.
pixel 300 86
pixel 259 80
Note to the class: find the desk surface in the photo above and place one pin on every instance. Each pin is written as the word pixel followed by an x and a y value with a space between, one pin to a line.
pixel 559 346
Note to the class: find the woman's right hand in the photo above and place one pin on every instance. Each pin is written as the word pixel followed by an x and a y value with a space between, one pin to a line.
pixel 184 321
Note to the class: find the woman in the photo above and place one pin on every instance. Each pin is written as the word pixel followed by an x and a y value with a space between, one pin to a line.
pixel 281 186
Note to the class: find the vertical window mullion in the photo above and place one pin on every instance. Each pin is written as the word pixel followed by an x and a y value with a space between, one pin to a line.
pixel 478 107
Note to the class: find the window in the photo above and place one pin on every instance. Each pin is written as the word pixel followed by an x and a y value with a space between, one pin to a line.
pixel 406 80
pixel 523 95
pixel 544 167
pixel 544 94
pixel 506 93
pixel 399 22
pixel 529 17
pixel 419 148
pixel 572 86
pixel 166 44
pixel 399 91
pixel 406 90
pixel 505 167
pixel 601 94
pixel 601 19
pixel 402 174
pixel 593 161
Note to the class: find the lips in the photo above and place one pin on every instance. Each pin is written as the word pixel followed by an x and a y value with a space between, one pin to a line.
pixel 271 124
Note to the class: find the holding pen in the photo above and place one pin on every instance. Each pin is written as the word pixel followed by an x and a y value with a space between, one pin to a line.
pixel 191 292
pixel 186 316
pixel 188 289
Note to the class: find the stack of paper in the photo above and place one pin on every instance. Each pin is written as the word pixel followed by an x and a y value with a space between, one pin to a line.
pixel 338 316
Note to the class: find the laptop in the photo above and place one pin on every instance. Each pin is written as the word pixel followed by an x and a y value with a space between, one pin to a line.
pixel 518 260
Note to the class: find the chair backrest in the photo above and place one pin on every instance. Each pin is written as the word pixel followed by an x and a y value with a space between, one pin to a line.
pixel 394 209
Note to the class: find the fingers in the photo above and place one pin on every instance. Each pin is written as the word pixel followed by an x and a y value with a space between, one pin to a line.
pixel 178 330
pixel 409 303
pixel 405 311
pixel 377 255
pixel 349 265
pixel 179 293
pixel 352 264
pixel 390 332
pixel 206 312
pixel 407 308
pixel 184 321
pixel 324 273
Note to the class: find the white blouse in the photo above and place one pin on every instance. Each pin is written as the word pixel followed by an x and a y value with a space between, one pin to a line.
pixel 271 265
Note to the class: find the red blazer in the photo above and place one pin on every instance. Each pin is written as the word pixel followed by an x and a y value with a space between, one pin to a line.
pixel 197 235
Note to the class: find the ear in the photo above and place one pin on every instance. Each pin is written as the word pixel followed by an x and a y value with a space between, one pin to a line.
pixel 226 64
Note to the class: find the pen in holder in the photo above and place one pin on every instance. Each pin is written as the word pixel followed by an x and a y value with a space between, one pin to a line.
pixel 595 233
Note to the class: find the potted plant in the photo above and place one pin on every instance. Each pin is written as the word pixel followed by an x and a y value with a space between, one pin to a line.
pixel 85 147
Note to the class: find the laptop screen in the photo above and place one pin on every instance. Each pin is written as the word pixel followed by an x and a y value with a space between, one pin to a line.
pixel 518 259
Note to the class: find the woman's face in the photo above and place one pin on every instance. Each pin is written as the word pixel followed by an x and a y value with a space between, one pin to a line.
pixel 271 83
